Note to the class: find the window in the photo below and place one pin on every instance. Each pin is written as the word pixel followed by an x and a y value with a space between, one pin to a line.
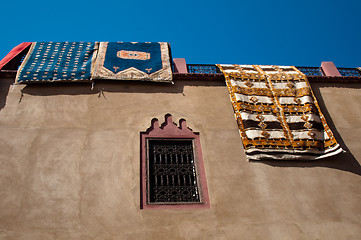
pixel 172 173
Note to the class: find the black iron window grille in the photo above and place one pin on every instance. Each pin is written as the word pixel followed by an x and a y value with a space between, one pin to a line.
pixel 172 172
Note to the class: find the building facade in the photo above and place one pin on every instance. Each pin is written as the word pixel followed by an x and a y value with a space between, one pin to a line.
pixel 72 164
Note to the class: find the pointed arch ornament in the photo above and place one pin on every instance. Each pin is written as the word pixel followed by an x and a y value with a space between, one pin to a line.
pixel 172 168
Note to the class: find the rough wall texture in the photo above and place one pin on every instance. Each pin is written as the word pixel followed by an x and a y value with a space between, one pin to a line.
pixel 70 164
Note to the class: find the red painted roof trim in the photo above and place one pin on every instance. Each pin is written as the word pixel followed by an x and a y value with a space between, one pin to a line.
pixel 13 53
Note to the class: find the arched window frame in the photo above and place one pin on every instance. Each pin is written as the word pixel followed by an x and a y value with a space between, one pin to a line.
pixel 170 131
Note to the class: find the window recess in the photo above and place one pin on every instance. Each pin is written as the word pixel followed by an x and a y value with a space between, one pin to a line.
pixel 172 172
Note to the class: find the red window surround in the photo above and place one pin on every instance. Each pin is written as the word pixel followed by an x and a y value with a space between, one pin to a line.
pixel 170 130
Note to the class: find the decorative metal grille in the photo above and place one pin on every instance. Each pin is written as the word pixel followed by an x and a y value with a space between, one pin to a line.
pixel 310 71
pixel 172 176
pixel 349 72
pixel 203 68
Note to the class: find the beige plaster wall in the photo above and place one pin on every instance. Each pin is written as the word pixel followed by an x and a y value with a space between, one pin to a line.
pixel 70 162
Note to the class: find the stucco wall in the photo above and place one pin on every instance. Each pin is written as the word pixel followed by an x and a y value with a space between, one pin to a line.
pixel 70 165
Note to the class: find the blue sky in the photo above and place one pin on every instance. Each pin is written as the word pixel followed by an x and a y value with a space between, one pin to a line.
pixel 301 33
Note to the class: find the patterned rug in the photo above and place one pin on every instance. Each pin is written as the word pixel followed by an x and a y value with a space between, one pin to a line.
pixel 133 61
pixel 277 114
pixel 57 61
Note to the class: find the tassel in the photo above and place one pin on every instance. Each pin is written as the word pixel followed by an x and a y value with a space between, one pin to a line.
pixel 92 88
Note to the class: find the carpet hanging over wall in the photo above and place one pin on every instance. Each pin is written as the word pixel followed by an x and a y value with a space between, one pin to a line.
pixel 57 61
pixel 133 61
pixel 277 114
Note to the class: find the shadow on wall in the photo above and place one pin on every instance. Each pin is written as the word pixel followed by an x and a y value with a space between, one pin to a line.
pixel 344 161
pixel 101 87
pixel 5 85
